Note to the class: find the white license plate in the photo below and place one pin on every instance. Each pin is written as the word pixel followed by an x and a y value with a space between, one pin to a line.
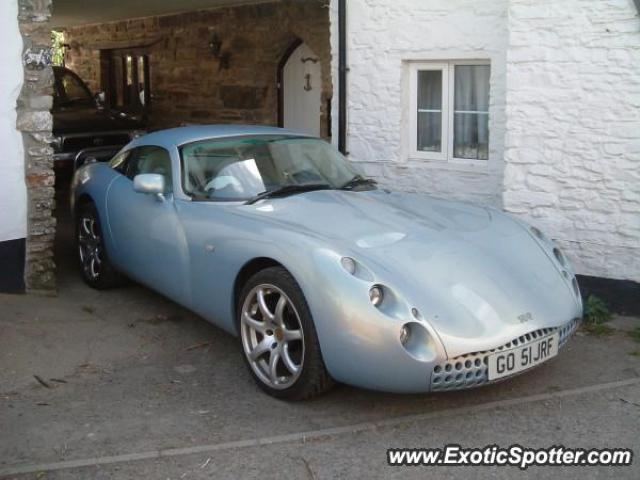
pixel 508 362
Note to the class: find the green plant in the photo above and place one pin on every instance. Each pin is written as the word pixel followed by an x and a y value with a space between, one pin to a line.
pixel 635 334
pixel 596 311
pixel 57 48
pixel 598 329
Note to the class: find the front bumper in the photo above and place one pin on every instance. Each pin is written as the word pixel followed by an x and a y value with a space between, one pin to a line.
pixel 471 370
pixel 361 343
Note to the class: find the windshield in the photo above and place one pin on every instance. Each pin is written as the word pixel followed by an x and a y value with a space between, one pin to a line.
pixel 241 168
pixel 71 90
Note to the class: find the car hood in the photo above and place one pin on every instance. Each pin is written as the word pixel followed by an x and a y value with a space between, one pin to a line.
pixel 89 119
pixel 476 275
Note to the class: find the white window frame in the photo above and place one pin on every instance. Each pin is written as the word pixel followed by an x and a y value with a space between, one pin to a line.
pixel 448 90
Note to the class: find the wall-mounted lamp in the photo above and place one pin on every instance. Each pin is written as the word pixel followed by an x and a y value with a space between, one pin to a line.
pixel 215 45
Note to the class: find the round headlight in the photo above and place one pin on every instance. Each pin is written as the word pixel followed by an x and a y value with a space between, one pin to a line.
pixel 559 256
pixel 349 264
pixel 537 233
pixel 405 334
pixel 376 295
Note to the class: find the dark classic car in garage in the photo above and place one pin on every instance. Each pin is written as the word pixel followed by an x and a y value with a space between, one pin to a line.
pixel 82 126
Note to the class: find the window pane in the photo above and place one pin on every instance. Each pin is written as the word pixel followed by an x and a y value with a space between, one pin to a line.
pixel 142 81
pixel 430 90
pixel 430 111
pixel 151 160
pixel 129 70
pixel 429 132
pixel 118 81
pixel 471 113
pixel 471 136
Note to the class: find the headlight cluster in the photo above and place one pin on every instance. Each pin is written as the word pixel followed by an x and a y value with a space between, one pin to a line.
pixel 376 294
pixel 412 333
pixel 560 258
pixel 352 267
pixel 538 234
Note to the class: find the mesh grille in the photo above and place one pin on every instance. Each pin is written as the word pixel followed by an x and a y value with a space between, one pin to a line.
pixel 74 144
pixel 470 370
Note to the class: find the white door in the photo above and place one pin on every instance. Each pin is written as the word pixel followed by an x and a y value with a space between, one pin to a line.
pixel 302 82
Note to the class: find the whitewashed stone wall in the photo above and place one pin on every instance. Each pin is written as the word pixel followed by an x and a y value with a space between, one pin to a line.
pixel 573 128
pixel 13 191
pixel 565 112
pixel 383 37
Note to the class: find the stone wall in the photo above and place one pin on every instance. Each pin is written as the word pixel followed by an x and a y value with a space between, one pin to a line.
pixel 187 83
pixel 565 112
pixel 34 121
pixel 383 37
pixel 573 128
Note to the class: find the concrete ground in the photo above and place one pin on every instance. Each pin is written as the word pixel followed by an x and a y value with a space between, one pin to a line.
pixel 138 387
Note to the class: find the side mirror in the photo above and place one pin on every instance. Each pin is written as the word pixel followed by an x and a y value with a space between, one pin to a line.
pixel 151 183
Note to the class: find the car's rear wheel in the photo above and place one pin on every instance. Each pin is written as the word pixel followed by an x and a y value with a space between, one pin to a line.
pixel 278 337
pixel 96 269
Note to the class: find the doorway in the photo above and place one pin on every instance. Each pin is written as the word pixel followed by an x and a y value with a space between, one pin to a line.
pixel 300 89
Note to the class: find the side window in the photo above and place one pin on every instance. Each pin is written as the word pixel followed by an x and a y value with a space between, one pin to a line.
pixel 120 161
pixel 150 160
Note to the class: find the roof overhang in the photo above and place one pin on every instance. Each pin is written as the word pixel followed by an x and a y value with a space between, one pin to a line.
pixel 68 13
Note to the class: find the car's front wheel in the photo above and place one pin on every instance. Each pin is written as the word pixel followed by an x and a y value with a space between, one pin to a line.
pixel 95 267
pixel 278 337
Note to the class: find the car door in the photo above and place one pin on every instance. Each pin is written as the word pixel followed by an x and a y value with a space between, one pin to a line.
pixel 147 234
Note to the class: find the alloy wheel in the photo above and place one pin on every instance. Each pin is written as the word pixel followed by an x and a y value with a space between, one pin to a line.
pixel 90 247
pixel 272 336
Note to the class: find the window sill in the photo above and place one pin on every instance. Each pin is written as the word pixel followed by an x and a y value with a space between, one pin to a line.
pixel 453 164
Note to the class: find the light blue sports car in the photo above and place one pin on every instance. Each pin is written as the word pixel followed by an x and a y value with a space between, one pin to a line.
pixel 275 237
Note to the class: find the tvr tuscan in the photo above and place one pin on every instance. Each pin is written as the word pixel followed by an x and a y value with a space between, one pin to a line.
pixel 275 238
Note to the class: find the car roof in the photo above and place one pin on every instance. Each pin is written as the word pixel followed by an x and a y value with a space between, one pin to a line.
pixel 174 137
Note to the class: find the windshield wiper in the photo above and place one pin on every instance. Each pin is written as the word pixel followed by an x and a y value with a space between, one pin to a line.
pixel 357 181
pixel 288 190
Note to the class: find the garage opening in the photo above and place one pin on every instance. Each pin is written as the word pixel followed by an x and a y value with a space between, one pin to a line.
pixel 218 62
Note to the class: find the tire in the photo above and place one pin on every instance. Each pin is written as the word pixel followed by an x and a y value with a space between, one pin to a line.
pixel 93 261
pixel 286 332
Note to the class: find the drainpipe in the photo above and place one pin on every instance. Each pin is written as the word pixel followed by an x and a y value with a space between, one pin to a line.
pixel 342 76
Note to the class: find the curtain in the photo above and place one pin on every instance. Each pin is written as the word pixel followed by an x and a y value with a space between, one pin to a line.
pixel 471 112
pixel 430 110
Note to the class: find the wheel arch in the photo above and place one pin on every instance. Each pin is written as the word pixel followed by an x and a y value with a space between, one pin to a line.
pixel 82 200
pixel 249 269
